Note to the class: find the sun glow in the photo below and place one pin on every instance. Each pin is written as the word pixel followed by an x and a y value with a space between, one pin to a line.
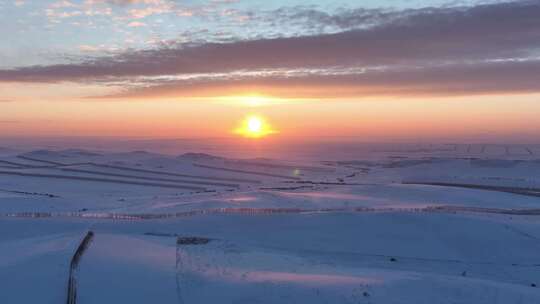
pixel 254 126
pixel 250 100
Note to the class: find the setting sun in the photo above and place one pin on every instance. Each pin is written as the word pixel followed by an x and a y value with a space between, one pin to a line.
pixel 254 124
pixel 254 127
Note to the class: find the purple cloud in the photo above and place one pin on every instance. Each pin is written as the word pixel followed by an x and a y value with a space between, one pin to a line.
pixel 446 49
pixel 473 79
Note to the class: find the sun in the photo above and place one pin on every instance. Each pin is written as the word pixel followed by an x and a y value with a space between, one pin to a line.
pixel 254 126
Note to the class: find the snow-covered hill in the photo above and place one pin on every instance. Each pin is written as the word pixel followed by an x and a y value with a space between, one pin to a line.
pixel 408 224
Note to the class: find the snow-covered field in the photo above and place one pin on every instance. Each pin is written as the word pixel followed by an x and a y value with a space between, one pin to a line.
pixel 389 224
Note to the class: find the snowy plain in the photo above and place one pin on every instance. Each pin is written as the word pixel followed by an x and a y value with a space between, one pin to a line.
pixel 385 224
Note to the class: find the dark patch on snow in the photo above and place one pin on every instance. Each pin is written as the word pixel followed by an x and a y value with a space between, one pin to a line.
pixel 199 156
pixel 78 152
pixel 495 163
pixel 192 241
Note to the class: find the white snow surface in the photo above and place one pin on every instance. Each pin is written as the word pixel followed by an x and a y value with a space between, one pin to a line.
pixel 409 224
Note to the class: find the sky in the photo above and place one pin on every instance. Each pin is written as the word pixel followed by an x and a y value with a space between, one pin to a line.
pixel 377 70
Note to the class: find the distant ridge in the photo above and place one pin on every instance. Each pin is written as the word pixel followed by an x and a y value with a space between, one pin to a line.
pixel 199 156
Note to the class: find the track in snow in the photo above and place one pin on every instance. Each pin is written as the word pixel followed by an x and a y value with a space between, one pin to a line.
pixel 74 266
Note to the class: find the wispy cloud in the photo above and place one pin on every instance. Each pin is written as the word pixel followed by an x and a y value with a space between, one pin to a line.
pixel 136 24
pixel 62 4
pixel 424 51
pixel 481 78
